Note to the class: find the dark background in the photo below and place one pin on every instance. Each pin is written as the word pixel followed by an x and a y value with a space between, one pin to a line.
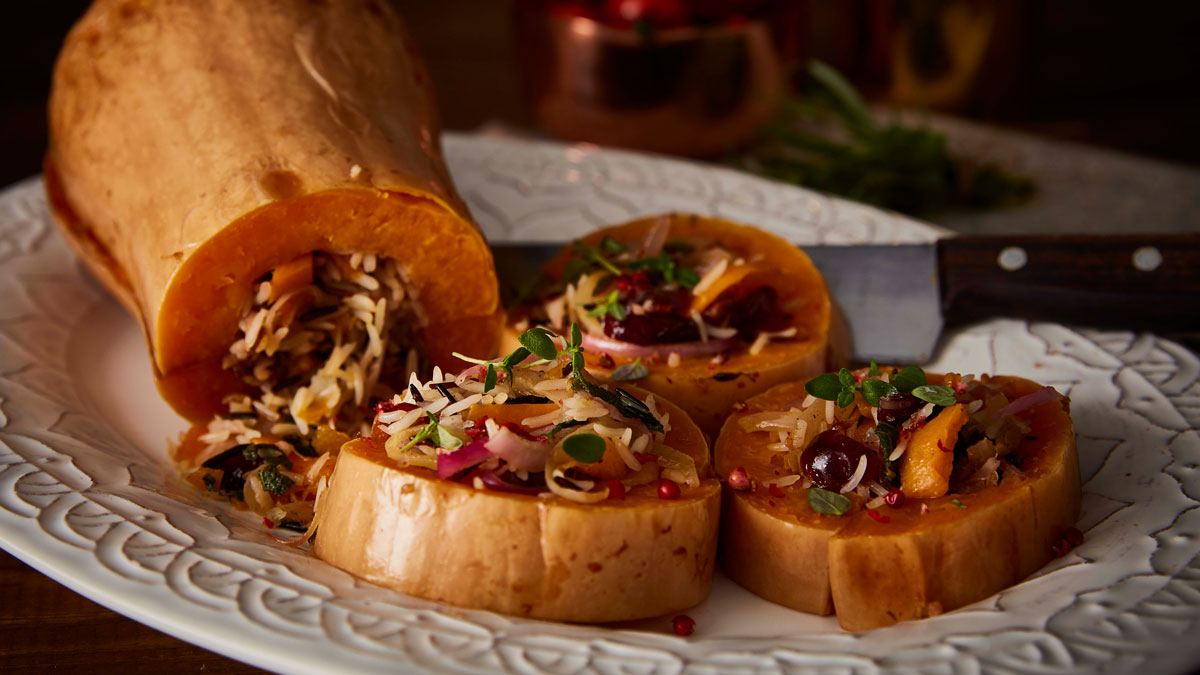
pixel 1113 74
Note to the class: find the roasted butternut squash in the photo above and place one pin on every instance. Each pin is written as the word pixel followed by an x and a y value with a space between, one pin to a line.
pixel 875 564
pixel 706 384
pixel 196 146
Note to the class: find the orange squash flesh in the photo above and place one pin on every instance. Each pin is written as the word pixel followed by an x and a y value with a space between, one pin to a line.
pixel 927 462
pixel 543 557
pixel 706 391
pixel 194 147
pixel 916 564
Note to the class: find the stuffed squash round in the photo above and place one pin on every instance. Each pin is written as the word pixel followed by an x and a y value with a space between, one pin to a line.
pixel 885 497
pixel 523 486
pixel 701 310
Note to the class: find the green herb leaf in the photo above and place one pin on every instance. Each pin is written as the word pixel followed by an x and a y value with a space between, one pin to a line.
pixel 576 336
pixel 936 394
pixel 888 435
pixel 489 381
pixel 564 425
pixel 586 448
pixel 266 452
pixel 847 379
pixel 425 433
pixel 518 355
pixel 611 306
pixel 873 390
pixel 874 370
pixel 845 398
pixel 688 277
pixel 592 256
pixel 958 503
pixel 611 246
pixel 577 364
pixel 630 371
pixel 273 481
pixel 210 482
pixel 537 340
pixel 575 268
pixel 848 100
pixel 829 503
pixel 910 378
pixel 826 387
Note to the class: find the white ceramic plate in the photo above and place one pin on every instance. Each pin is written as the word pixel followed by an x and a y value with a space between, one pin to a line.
pixel 87 497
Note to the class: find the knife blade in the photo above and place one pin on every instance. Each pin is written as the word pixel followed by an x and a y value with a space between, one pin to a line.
pixel 893 301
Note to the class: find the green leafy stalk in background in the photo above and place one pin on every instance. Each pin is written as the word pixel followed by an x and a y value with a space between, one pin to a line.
pixel 827 139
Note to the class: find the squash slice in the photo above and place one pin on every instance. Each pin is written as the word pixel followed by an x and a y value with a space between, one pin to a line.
pixel 704 388
pixel 918 560
pixel 529 555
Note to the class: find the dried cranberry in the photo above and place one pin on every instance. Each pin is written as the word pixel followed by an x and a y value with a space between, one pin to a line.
pixel 894 498
pixel 667 489
pixel 878 517
pixel 758 310
pixel 616 489
pixel 631 285
pixel 832 459
pixel 775 491
pixel 898 407
pixel 683 625
pixel 747 311
pixel 388 405
pixel 676 300
pixel 653 328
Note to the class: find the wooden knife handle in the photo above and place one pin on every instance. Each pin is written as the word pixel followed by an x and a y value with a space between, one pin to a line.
pixel 1136 282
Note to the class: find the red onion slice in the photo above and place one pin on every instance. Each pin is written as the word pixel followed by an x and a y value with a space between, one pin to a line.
pixel 652 245
pixel 1043 395
pixel 521 454
pixel 597 343
pixel 452 463
pixel 493 482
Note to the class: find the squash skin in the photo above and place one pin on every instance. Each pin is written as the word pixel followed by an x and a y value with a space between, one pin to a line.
pixel 197 145
pixel 916 565
pixel 691 385
pixel 546 558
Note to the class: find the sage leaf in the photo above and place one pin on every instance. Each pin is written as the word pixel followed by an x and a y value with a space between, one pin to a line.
pixel 586 448
pixel 829 503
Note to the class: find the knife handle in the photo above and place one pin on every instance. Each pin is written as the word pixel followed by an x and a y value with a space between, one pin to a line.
pixel 1139 282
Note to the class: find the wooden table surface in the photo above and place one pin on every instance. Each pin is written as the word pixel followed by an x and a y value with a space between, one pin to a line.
pixel 47 627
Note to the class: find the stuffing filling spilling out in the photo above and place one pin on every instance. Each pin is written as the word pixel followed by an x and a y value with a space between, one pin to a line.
pixel 321 337
pixel 872 437
pixel 663 299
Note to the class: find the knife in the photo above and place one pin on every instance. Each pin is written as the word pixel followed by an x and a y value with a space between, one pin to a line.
pixel 894 300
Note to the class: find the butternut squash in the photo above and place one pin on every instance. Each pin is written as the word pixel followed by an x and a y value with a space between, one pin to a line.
pixel 705 389
pixel 929 555
pixel 195 146
pixel 536 556
pixel 927 462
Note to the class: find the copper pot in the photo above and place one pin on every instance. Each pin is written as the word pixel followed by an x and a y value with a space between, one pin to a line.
pixel 693 91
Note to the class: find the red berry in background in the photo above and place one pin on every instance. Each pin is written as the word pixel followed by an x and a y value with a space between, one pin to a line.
pixel 667 489
pixel 894 498
pixel 683 625
pixel 739 479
